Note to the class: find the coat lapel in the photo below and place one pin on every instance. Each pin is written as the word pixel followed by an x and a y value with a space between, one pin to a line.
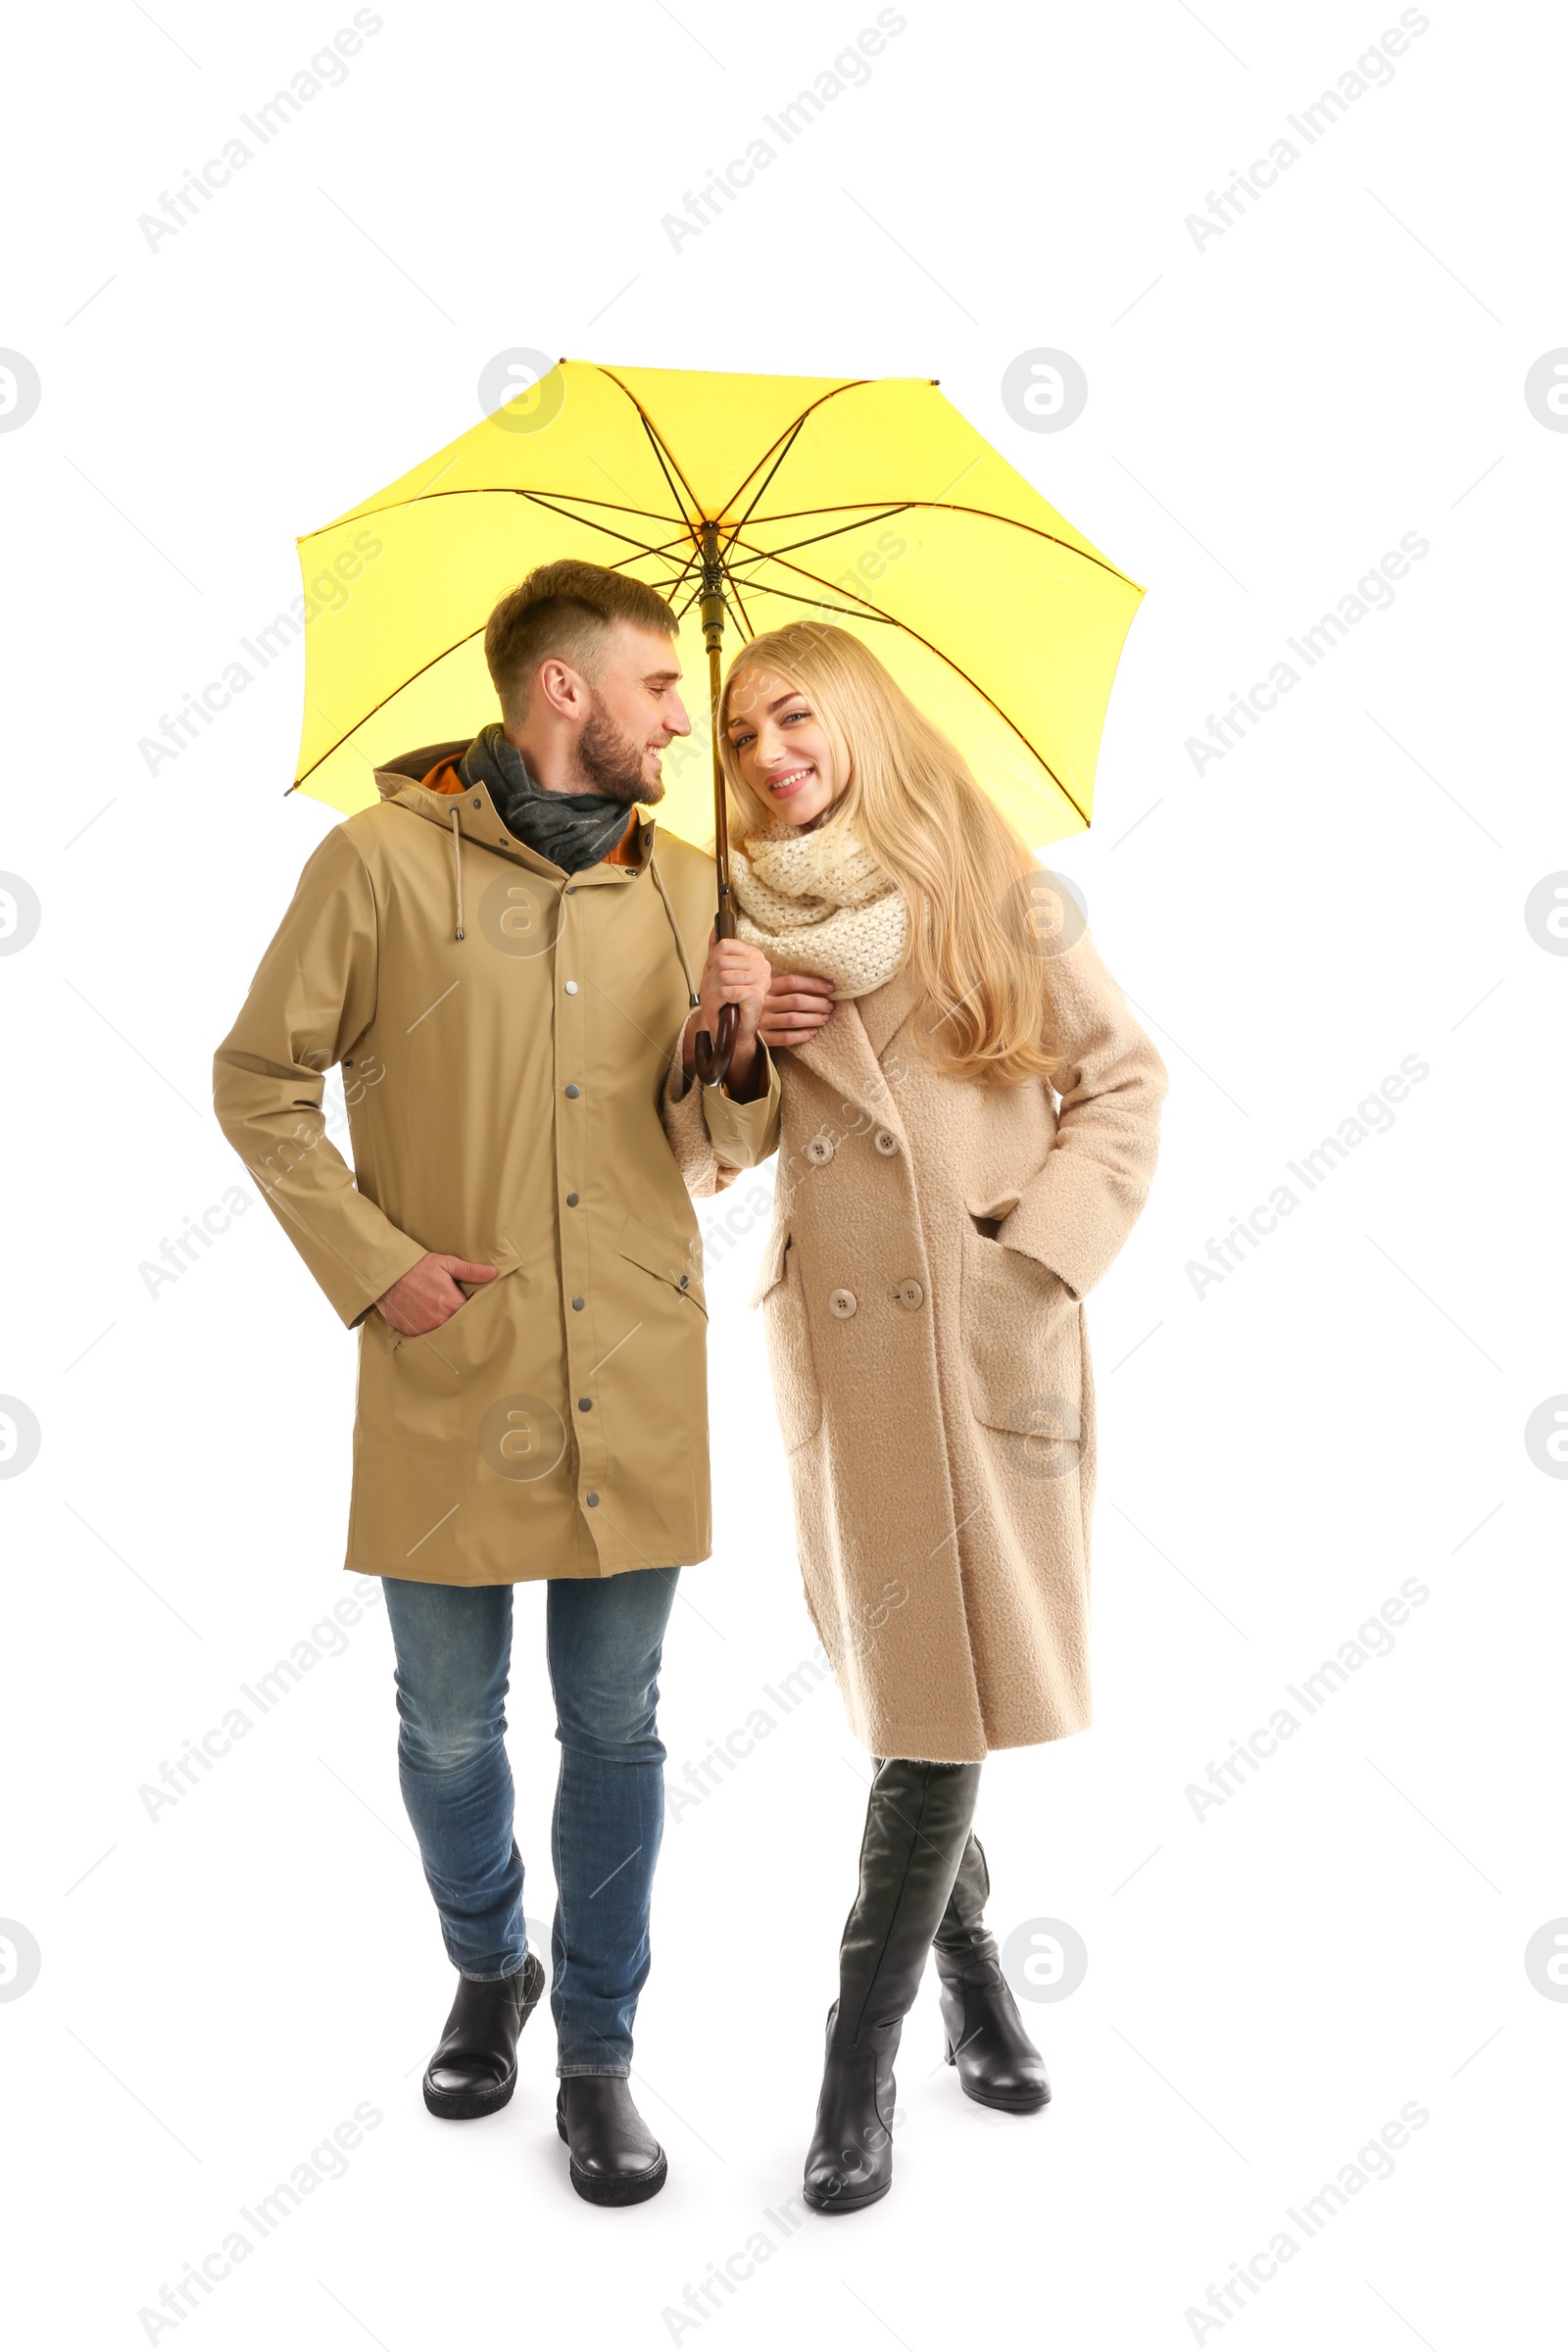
pixel 847 1052
pixel 884 1012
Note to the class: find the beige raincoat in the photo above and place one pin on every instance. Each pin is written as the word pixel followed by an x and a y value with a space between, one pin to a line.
pixel 506 1035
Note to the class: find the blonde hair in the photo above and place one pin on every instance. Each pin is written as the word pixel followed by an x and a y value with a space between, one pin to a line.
pixel 911 798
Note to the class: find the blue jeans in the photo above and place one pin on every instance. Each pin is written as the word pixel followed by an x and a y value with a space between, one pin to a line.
pixel 454 1656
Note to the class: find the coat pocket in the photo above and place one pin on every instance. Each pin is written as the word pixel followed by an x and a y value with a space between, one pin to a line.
pixel 442 1362
pixel 667 1255
pixel 1023 1359
pixel 797 1395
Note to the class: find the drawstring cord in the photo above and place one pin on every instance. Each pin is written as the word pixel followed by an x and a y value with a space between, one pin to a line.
pixel 457 871
pixel 693 999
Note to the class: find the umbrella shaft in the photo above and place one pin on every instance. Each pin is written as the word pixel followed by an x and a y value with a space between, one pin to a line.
pixel 726 928
pixel 712 635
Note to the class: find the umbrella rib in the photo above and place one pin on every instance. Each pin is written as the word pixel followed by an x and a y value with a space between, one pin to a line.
pixel 819 603
pixel 863 522
pixel 671 589
pixel 740 600
pixel 697 590
pixel 667 551
pixel 945 506
pixel 638 545
pixel 666 554
pixel 659 450
pixel 789 441
pixel 870 610
pixel 367 715
pixel 535 498
pixel 668 547
pixel 788 437
pixel 934 506
pixel 398 506
pixel 457 643
pixel 783 444
pixel 570 499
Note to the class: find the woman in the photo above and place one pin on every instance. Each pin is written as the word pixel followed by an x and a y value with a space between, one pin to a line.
pixel 969 1126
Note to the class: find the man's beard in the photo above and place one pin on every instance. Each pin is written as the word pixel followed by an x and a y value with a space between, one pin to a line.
pixel 611 763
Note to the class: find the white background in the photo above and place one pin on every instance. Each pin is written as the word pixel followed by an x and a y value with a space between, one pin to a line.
pixel 1267 1985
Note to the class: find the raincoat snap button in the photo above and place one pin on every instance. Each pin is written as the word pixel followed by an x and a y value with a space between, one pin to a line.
pixel 571 988
pixel 577 1303
pixel 844 1303
pixel 909 1294
pixel 573 1092
pixel 592 1501
pixel 885 1142
pixel 572 1199
pixel 684 1280
pixel 820 1150
pixel 585 1404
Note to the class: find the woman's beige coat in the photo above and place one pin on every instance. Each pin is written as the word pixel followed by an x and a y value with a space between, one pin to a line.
pixel 505 1035
pixel 931 1245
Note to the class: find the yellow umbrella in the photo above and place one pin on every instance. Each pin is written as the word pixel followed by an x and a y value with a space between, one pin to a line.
pixel 749 498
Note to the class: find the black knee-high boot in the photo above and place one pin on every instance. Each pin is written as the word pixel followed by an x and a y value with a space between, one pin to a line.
pixel 916 1827
pixel 997 2064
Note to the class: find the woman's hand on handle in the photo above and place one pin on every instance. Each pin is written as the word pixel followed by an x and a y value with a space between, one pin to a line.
pixel 798 1004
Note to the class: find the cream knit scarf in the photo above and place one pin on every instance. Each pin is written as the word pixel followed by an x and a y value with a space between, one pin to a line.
pixel 819 902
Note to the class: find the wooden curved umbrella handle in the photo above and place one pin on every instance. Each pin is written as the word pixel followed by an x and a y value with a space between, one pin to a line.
pixel 713 1063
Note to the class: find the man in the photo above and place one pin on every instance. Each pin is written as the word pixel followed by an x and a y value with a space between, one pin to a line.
pixel 502 965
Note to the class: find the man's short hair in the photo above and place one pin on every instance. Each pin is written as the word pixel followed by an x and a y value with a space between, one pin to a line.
pixel 562 609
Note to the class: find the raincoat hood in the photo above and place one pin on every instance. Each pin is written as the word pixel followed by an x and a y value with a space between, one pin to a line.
pixel 467 812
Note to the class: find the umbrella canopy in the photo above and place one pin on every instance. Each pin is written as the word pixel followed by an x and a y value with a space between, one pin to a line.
pixel 872 505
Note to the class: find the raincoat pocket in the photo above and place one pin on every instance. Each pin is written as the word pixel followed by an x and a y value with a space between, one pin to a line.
pixel 468 1344
pixel 667 1256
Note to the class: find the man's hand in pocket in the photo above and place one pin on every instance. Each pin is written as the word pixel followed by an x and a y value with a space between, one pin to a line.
pixel 427 1294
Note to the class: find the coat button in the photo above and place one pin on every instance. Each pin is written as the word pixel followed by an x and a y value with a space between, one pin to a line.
pixel 585 1404
pixel 684 1280
pixel 820 1150
pixel 572 1199
pixel 843 1303
pixel 571 988
pixel 577 1303
pixel 909 1294
pixel 592 1501
pixel 573 1092
pixel 885 1142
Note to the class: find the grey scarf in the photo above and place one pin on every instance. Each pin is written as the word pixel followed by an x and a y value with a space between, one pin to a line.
pixel 572 829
